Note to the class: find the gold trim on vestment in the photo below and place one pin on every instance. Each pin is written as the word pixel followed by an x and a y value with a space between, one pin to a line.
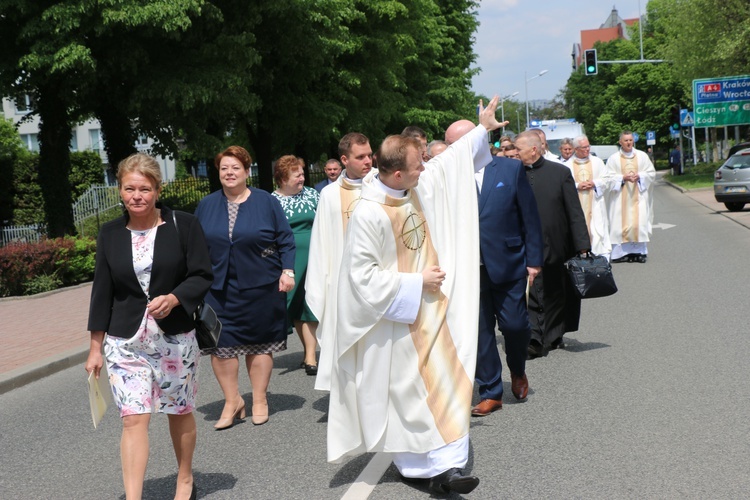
pixel 350 195
pixel 585 172
pixel 449 389
pixel 630 195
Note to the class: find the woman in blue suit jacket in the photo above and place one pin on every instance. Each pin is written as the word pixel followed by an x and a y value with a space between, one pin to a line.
pixel 252 255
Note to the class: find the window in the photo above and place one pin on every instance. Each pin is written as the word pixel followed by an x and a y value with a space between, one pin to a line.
pixel 31 141
pixel 95 139
pixel 73 141
pixel 24 104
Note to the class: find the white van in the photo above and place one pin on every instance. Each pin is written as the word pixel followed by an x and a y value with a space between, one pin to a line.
pixel 557 130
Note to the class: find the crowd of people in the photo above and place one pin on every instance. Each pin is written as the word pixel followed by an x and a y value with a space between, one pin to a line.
pixel 384 266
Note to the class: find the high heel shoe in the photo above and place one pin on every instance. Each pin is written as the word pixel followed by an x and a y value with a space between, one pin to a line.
pixel 194 492
pixel 260 413
pixel 225 423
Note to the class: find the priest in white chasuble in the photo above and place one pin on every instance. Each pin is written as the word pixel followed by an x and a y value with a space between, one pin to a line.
pixel 590 176
pixel 408 312
pixel 631 205
pixel 336 204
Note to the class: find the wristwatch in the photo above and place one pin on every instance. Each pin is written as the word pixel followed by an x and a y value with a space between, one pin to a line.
pixel 288 273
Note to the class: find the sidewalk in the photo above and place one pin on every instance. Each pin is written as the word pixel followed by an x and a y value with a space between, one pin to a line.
pixel 705 196
pixel 42 334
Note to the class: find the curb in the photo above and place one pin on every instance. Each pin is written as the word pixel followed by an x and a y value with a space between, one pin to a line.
pixel 43 368
pixel 45 294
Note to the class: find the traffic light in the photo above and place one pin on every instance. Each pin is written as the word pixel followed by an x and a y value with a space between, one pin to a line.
pixel 589 60
pixel 674 118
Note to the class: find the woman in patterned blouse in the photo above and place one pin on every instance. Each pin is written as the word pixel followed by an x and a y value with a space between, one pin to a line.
pixel 299 204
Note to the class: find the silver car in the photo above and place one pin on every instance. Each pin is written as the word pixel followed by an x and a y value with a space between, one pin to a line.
pixel 732 181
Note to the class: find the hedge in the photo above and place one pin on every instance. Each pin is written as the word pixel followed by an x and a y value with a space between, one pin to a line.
pixel 29 268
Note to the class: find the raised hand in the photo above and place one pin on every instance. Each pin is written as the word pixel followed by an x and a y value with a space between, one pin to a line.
pixel 487 115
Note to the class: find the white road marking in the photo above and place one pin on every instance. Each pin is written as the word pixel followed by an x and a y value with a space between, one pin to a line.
pixel 368 478
pixel 663 225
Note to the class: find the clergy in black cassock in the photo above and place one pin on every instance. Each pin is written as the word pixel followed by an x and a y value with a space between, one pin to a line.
pixel 554 309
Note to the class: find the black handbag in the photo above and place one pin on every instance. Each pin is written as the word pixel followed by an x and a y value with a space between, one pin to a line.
pixel 591 276
pixel 207 324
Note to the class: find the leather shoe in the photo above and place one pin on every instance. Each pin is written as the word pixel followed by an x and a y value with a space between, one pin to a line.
pixel 486 406
pixel 519 384
pixel 453 480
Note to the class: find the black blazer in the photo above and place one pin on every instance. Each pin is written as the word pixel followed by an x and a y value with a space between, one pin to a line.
pixel 181 266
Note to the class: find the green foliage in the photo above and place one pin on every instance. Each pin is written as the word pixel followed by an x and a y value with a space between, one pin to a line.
pixel 28 204
pixel 86 169
pixel 41 283
pixel 91 225
pixel 184 194
pixel 27 268
pixel 703 38
pixel 636 97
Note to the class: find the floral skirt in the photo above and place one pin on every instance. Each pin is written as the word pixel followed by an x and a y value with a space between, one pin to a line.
pixel 152 372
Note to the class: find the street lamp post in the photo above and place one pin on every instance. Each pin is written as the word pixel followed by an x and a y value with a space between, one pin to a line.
pixel 502 107
pixel 518 120
pixel 527 91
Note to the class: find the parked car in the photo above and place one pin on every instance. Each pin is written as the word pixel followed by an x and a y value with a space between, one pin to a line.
pixel 738 147
pixel 732 181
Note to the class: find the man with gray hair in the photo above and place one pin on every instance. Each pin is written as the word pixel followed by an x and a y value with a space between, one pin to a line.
pixel 589 174
pixel 436 147
pixel 554 309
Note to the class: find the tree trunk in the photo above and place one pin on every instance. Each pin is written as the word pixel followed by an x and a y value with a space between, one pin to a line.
pixel 54 160
pixel 262 145
pixel 117 133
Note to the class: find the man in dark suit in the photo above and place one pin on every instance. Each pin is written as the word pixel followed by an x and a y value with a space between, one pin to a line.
pixel 511 248
pixel 332 170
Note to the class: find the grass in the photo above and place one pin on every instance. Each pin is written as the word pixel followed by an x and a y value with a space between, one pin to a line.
pixel 699 176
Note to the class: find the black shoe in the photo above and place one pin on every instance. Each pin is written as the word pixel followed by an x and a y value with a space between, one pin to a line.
pixel 453 480
pixel 194 492
pixel 535 350
pixel 621 259
pixel 311 369
pixel 640 258
pixel 557 344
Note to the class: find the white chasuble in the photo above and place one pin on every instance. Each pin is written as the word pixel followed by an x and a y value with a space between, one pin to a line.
pixel 630 203
pixel 407 387
pixel 593 201
pixel 336 204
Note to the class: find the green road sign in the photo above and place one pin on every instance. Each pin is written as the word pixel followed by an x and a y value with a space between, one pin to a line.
pixel 718 102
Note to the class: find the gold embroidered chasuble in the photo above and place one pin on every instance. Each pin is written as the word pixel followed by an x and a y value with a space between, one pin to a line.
pixel 336 204
pixel 407 387
pixel 630 205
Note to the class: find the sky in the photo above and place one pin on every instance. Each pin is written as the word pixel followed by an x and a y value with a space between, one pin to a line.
pixel 517 36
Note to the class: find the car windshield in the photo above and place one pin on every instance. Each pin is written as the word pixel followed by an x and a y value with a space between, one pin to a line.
pixel 738 161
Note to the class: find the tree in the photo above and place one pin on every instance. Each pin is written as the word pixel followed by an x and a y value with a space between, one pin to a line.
pixel 635 97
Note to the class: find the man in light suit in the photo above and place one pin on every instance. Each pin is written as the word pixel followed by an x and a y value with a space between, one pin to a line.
pixel 512 253
pixel 332 170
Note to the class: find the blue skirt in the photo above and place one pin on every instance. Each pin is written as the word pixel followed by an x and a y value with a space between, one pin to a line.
pixel 249 316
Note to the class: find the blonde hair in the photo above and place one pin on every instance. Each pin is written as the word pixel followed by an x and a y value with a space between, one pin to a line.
pixel 142 164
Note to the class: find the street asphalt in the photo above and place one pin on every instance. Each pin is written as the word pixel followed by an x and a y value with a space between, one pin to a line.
pixel 649 399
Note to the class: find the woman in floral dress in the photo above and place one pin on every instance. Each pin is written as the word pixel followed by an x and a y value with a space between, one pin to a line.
pixel 299 204
pixel 147 284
